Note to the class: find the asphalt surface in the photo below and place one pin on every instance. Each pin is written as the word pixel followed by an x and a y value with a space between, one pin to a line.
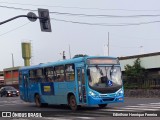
pixel 132 109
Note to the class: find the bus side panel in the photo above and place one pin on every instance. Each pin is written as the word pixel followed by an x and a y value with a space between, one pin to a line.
pixel 71 86
pixel 21 89
pixel 60 92
pixel 56 93
pixel 48 93
pixel 33 89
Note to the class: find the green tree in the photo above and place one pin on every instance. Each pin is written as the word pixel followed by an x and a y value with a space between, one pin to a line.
pixel 80 55
pixel 135 74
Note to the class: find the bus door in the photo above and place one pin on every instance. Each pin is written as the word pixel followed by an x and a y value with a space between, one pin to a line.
pixel 25 86
pixel 81 85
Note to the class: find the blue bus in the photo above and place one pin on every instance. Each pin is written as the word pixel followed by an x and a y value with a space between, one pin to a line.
pixel 90 80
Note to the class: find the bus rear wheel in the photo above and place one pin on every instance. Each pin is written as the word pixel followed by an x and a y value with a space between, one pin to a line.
pixel 72 103
pixel 102 105
pixel 38 101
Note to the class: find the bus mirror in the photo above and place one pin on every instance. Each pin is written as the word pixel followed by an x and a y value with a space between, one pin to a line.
pixel 88 72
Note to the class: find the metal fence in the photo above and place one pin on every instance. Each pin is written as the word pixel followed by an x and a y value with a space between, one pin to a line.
pixel 148 83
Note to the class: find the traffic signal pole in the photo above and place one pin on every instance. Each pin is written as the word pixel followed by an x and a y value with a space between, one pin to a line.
pixel 13 19
pixel 43 17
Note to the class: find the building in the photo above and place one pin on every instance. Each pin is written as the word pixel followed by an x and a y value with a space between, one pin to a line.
pixel 11 76
pixel 1 78
pixel 151 62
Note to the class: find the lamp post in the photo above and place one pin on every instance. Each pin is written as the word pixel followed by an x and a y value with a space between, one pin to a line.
pixel 12 60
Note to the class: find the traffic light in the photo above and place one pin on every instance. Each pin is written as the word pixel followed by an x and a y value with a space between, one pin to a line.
pixel 44 20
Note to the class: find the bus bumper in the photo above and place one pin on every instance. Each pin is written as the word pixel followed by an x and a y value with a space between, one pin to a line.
pixel 96 101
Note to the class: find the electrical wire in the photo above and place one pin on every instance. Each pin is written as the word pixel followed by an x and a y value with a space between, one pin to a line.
pixel 16 8
pixel 103 9
pixel 14 29
pixel 105 24
pixel 86 15
pixel 99 24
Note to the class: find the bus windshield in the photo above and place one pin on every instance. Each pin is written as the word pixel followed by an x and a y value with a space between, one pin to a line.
pixel 101 78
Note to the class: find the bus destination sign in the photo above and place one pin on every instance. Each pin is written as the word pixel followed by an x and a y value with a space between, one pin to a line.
pixel 102 61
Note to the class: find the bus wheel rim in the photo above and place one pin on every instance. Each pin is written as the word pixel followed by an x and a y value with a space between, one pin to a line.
pixel 37 101
pixel 73 103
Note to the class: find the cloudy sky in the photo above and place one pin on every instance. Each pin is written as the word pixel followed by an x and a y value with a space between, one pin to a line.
pixel 133 26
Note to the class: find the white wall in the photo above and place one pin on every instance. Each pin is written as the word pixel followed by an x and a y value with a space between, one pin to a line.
pixel 146 62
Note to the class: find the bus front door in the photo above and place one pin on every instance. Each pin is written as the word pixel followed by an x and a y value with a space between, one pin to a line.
pixel 81 85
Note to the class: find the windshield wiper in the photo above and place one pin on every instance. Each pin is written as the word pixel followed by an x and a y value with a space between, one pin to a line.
pixel 100 71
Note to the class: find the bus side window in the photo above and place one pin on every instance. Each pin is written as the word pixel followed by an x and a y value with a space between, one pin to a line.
pixel 70 72
pixel 59 71
pixel 32 76
pixel 83 77
pixel 39 75
pixel 49 74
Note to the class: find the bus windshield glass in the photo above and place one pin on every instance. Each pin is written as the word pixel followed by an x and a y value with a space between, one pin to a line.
pixel 102 77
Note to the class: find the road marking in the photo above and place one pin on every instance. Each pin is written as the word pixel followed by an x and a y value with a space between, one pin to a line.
pixel 86 118
pixel 53 118
pixel 141 109
pixel 155 103
pixel 116 110
pixel 152 104
pixel 138 107
pixel 144 106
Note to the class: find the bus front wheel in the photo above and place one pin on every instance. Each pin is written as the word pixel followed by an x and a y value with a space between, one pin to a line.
pixel 72 103
pixel 102 105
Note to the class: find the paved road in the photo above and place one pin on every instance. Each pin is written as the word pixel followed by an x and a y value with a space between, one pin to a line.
pixel 131 107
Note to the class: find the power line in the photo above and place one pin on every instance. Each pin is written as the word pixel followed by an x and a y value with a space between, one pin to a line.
pixel 15 8
pixel 105 24
pixel 103 9
pixel 14 29
pixel 89 15
pixel 86 15
pixel 99 24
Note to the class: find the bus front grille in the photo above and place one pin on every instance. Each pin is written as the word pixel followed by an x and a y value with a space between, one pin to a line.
pixel 108 99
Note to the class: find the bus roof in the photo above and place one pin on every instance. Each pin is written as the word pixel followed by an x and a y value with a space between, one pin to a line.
pixel 68 61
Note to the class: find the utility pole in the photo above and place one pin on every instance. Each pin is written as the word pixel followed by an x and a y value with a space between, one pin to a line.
pixel 12 60
pixel 69 52
pixel 108 44
pixel 64 57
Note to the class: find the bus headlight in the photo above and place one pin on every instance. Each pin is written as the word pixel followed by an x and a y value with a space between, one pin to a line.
pixel 120 92
pixel 92 94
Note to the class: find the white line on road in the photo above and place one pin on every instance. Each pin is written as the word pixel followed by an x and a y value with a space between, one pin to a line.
pixel 117 110
pixel 145 106
pixel 86 118
pixel 155 103
pixel 140 109
pixel 53 118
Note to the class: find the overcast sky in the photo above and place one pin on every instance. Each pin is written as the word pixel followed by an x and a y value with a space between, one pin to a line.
pixel 91 38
